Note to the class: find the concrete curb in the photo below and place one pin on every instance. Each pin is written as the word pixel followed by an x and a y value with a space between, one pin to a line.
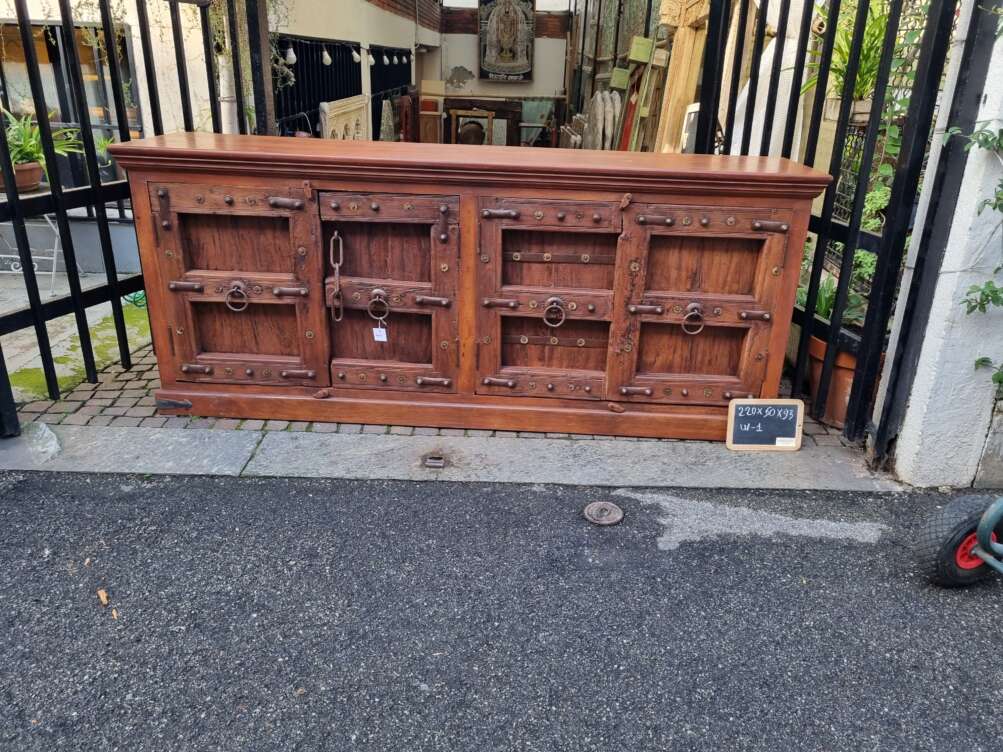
pixel 165 451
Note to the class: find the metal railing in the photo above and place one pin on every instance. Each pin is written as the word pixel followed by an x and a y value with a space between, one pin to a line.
pixel 98 193
pixel 908 90
pixel 841 227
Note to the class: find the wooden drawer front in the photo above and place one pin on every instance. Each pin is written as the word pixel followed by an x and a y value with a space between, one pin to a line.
pixel 336 205
pixel 242 285
pixel 401 260
pixel 596 215
pixel 275 200
pixel 683 219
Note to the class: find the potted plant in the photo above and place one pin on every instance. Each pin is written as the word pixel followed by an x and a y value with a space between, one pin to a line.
pixel 867 71
pixel 24 140
pixel 853 317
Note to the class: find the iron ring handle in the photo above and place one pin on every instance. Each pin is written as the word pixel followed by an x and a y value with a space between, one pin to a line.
pixel 236 296
pixel 378 298
pixel 694 315
pixel 554 304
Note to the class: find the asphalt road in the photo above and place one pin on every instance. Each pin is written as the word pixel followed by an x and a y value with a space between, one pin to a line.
pixel 327 615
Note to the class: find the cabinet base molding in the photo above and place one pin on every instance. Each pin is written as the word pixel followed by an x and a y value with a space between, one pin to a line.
pixel 706 424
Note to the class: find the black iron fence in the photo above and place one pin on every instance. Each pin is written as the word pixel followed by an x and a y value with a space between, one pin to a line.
pixel 326 70
pixel 810 79
pixel 904 66
pixel 93 191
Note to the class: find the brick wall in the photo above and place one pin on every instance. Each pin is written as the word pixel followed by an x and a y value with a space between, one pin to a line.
pixel 464 21
pixel 429 11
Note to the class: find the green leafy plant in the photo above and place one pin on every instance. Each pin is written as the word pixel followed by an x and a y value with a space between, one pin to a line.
pixel 101 144
pixel 24 139
pixel 870 52
pixel 856 304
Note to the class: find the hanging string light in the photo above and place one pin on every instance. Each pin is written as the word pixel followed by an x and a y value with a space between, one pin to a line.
pixel 372 58
pixel 325 56
pixel 356 56
pixel 290 55
pixel 386 60
pixel 396 61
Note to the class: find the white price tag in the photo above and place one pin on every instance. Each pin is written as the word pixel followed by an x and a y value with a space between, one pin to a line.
pixel 379 334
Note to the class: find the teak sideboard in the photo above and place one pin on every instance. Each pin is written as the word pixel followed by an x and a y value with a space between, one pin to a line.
pixel 466 286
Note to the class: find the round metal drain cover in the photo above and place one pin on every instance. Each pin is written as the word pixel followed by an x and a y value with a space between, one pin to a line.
pixel 603 513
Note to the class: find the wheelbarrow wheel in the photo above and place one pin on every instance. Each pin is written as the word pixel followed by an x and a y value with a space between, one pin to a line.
pixel 946 541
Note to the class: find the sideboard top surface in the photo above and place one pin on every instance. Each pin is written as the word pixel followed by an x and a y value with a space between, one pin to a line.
pixel 453 163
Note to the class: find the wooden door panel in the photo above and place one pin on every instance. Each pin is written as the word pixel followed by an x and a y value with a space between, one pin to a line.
pixel 694 296
pixel 244 288
pixel 545 283
pixel 399 259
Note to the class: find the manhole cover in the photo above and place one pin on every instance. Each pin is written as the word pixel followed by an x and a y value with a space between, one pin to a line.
pixel 603 513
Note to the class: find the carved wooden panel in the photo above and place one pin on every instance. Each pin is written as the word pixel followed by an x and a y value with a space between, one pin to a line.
pixel 391 290
pixel 244 287
pixel 695 302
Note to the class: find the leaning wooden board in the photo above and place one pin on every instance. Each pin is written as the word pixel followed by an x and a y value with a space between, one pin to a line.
pixel 520 289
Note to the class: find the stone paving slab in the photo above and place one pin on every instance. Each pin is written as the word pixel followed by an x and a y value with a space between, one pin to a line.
pixel 111 449
pixel 596 462
pixel 600 462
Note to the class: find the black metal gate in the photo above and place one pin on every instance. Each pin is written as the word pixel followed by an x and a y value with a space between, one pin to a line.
pixel 899 48
pixel 89 188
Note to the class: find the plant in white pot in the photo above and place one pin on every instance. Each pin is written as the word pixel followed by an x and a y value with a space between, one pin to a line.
pixel 24 140
pixel 867 70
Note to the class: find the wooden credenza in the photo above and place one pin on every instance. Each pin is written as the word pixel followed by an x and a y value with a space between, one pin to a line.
pixel 521 289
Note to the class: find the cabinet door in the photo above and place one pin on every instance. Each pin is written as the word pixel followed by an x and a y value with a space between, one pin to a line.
pixel 694 308
pixel 545 287
pixel 393 259
pixel 244 283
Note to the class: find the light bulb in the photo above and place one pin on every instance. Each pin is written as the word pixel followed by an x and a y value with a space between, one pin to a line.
pixel 325 57
pixel 404 59
pixel 290 56
pixel 386 60
pixel 356 56
pixel 372 59
pixel 396 61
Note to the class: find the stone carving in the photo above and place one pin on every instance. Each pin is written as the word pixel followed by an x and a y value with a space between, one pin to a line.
pixel 346 119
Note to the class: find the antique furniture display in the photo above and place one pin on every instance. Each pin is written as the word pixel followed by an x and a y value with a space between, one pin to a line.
pixel 488 287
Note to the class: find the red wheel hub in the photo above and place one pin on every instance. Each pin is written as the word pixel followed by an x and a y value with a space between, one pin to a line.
pixel 963 555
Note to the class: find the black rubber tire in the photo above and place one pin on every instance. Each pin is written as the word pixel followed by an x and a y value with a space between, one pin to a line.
pixel 940 537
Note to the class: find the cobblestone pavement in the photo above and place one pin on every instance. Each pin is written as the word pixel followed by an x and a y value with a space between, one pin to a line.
pixel 126 398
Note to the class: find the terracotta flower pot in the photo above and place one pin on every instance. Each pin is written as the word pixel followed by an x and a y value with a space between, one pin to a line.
pixel 839 386
pixel 27 176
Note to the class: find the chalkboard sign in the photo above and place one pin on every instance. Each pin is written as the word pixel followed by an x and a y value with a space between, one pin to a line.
pixel 765 424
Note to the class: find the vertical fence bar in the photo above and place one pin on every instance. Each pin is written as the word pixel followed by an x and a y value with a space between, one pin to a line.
pixel 908 169
pixel 238 74
pixel 821 85
pixel 811 147
pixel 55 186
pixel 94 175
pixel 856 213
pixel 779 41
pixel 257 37
pixel 757 54
pixel 152 90
pixel 736 73
pixel 710 82
pixel 9 424
pixel 114 72
pixel 804 34
pixel 27 266
pixel 209 51
pixel 182 65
